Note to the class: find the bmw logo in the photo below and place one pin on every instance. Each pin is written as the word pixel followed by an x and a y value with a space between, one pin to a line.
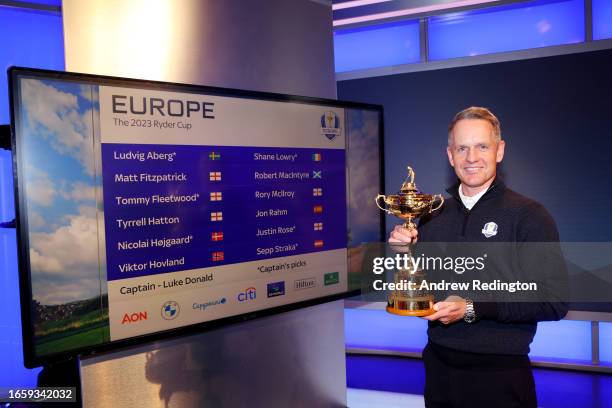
pixel 170 310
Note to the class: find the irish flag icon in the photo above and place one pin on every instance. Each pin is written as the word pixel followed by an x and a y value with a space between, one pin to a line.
pixel 316 157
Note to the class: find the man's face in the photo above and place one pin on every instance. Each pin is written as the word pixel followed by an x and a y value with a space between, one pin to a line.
pixel 474 154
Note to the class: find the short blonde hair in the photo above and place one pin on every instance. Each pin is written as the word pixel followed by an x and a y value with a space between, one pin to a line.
pixel 476 112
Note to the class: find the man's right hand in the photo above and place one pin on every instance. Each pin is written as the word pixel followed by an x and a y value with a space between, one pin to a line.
pixel 401 235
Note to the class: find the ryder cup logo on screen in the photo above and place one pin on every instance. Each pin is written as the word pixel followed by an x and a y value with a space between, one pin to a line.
pixel 489 230
pixel 170 310
pixel 330 125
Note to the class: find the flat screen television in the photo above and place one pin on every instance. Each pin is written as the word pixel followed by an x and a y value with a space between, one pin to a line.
pixel 149 209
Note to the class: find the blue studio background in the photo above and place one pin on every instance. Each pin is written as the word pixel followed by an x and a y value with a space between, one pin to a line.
pixel 555 117
pixel 554 112
pixel 32 39
pixel 418 107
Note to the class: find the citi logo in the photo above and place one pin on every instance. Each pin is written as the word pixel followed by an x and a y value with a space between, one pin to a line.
pixel 306 283
pixel 134 317
pixel 248 294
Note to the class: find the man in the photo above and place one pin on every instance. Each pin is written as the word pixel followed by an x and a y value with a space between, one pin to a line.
pixel 477 351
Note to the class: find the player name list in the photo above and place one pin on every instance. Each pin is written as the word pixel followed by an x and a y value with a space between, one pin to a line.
pixel 175 207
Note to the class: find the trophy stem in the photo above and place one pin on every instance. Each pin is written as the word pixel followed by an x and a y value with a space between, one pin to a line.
pixel 409 225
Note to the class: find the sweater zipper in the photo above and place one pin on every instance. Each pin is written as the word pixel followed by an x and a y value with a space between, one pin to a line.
pixel 466 213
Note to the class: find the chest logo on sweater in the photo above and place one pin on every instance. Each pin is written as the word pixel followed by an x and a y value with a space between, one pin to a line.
pixel 489 230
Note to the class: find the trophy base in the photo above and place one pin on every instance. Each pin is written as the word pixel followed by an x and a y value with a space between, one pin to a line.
pixel 417 313
pixel 411 307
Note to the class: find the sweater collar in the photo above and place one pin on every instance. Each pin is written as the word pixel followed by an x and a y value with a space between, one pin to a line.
pixel 496 188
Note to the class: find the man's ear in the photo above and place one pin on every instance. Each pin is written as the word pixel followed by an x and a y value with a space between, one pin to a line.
pixel 450 156
pixel 501 148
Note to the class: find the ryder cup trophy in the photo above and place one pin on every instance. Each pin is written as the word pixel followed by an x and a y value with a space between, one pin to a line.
pixel 409 204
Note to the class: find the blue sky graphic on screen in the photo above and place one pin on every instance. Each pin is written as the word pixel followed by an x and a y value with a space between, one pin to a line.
pixel 58 152
pixel 144 204
pixel 61 189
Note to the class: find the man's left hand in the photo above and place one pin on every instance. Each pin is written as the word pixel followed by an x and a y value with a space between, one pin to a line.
pixel 449 310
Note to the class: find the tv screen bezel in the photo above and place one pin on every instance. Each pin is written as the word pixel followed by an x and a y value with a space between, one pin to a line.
pixel 31 359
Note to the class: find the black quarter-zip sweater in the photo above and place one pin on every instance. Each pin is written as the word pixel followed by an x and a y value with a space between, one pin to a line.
pixel 501 327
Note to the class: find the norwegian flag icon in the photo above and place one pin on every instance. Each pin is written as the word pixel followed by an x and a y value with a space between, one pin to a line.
pixel 318 243
pixel 216 236
pixel 317 209
pixel 218 256
pixel 216 216
pixel 216 196
pixel 215 176
pixel 318 226
pixel 317 192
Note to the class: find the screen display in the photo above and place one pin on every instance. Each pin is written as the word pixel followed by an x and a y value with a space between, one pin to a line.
pixel 145 207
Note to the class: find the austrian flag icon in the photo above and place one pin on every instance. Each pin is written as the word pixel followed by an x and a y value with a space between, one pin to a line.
pixel 215 176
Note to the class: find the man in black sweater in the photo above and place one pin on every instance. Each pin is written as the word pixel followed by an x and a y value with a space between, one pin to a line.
pixel 477 351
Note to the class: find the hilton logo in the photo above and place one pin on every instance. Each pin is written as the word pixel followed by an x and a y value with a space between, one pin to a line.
pixel 306 283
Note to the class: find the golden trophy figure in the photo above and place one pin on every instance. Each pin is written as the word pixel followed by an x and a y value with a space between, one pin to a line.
pixel 409 204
